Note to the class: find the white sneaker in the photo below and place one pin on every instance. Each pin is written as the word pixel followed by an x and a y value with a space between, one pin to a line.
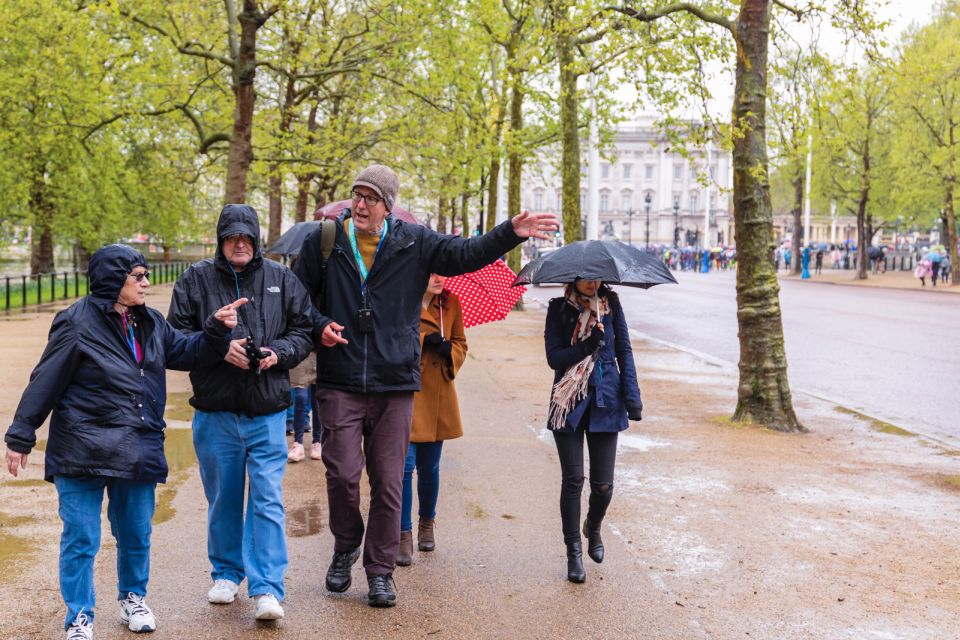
pixel 222 592
pixel 315 451
pixel 296 453
pixel 81 628
pixel 268 607
pixel 135 612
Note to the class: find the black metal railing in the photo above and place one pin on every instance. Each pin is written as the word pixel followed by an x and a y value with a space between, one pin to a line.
pixel 41 288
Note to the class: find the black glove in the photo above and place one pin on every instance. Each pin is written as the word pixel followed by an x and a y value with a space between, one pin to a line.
pixel 444 349
pixel 594 340
pixel 432 339
pixel 634 411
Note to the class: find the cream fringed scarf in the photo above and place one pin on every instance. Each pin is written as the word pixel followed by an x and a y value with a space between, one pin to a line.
pixel 572 387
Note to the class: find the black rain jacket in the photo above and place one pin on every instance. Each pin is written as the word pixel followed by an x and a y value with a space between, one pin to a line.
pixel 277 316
pixel 108 409
pixel 388 358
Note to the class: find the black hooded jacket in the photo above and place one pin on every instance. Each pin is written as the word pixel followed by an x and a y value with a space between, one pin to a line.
pixel 388 358
pixel 108 409
pixel 277 316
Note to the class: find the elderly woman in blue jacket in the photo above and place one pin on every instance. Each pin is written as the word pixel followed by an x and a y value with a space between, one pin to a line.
pixel 103 375
pixel 594 394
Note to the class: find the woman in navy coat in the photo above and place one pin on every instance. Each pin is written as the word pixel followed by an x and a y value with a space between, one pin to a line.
pixel 103 376
pixel 594 396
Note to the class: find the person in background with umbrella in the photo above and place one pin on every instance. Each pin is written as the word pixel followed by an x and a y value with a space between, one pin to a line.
pixel 595 391
pixel 436 412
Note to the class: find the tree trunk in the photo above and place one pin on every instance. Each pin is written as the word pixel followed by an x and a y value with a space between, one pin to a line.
pixel 515 161
pixel 492 186
pixel 763 395
pixel 862 241
pixel 465 210
pixel 81 257
pixel 274 204
pixel 949 235
pixel 41 232
pixel 303 197
pixel 570 134
pixel 441 219
pixel 166 253
pixel 240 155
pixel 797 224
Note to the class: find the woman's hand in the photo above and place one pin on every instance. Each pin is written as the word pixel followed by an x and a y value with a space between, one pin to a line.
pixel 228 314
pixel 15 462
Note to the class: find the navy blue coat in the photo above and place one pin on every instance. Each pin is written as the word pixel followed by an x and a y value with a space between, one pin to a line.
pixel 613 383
pixel 107 409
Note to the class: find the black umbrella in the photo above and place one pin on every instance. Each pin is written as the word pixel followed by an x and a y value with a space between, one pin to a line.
pixel 290 242
pixel 609 261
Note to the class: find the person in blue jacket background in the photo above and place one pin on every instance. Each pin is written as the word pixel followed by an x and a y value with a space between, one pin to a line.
pixel 103 375
pixel 594 395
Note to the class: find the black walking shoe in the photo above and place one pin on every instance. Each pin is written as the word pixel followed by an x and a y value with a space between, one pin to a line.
pixel 338 575
pixel 594 541
pixel 383 592
pixel 575 572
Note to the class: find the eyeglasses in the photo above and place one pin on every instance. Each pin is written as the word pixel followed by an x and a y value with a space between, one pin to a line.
pixel 370 201
pixel 140 276
pixel 239 237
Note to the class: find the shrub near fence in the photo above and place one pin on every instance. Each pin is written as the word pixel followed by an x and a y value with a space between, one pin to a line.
pixel 41 288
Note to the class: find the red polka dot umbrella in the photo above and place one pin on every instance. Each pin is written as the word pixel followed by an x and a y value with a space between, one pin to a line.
pixel 486 295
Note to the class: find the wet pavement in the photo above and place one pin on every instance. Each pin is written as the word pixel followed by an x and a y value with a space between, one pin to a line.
pixel 715 531
pixel 885 347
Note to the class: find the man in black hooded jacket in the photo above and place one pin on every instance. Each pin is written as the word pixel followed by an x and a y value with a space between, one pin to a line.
pixel 239 425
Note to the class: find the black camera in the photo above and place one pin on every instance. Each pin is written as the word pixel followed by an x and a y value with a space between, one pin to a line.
pixel 255 354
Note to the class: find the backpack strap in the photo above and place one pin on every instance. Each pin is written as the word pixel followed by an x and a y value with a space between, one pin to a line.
pixel 328 236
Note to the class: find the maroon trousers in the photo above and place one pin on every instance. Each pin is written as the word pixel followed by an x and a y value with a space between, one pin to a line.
pixel 371 427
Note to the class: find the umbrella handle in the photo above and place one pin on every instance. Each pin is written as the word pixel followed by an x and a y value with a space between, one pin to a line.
pixel 441 315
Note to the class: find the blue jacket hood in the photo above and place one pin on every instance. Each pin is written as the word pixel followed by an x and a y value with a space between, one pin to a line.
pixel 109 267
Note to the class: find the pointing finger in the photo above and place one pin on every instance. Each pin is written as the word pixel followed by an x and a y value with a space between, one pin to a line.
pixel 238 303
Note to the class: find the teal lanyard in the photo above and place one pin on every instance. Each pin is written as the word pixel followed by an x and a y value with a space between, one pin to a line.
pixel 131 341
pixel 356 253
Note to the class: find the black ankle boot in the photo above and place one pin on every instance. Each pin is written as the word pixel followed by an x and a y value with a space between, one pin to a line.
pixel 594 542
pixel 575 572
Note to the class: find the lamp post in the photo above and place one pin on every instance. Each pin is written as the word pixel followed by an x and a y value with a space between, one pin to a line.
pixel 630 213
pixel 647 199
pixel 676 223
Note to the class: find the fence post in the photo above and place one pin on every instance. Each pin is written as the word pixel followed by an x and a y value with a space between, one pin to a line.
pixel 7 283
pixel 39 288
pixel 66 288
pixel 53 286
pixel 23 289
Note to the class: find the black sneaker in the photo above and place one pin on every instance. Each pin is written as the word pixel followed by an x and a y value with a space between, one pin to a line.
pixel 383 592
pixel 338 575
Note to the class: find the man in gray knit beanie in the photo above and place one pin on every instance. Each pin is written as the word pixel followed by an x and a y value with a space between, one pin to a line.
pixel 368 358
pixel 382 180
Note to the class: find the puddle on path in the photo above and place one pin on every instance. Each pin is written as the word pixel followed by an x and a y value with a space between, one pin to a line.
pixel 178 447
pixel 178 406
pixel 639 443
pixel 14 550
pixel 304 521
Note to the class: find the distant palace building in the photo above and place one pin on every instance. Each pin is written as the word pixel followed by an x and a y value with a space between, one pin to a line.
pixel 648 193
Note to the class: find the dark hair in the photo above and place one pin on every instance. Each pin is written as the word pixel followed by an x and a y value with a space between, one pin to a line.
pixel 604 290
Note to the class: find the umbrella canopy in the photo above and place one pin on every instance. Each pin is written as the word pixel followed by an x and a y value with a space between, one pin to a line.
pixel 486 295
pixel 934 256
pixel 611 262
pixel 292 239
pixel 333 210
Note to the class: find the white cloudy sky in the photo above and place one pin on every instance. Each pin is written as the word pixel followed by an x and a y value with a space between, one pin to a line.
pixel 900 13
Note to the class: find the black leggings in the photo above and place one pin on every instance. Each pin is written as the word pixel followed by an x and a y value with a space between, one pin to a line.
pixel 603 453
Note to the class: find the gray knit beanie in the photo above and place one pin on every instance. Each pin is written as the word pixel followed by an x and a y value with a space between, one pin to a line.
pixel 382 180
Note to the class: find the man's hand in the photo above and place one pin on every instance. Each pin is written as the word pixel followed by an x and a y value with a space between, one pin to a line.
pixel 236 355
pixel 228 314
pixel 331 336
pixel 15 462
pixel 535 225
pixel 270 360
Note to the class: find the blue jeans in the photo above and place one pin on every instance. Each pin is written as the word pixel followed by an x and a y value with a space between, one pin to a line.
pixel 425 457
pixel 230 448
pixel 130 507
pixel 303 402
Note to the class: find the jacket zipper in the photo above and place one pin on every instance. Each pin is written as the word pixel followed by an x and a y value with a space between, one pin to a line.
pixel 363 302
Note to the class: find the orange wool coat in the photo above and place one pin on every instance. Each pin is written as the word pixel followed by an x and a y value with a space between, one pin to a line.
pixel 436 412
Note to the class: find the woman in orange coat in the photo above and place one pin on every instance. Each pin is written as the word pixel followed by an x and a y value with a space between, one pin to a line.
pixel 436 412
